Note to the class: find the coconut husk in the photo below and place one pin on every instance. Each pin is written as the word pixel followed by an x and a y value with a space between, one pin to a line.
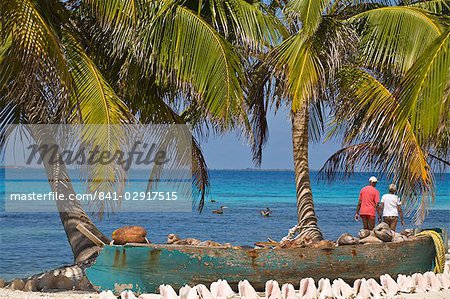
pixel 324 244
pixel 284 244
pixel 210 243
pixel 407 232
pixel 370 240
pixel 129 234
pixel 363 233
pixel 383 232
pixel 346 239
pixel 399 238
pixel 382 226
pixel 395 235
pixel 384 235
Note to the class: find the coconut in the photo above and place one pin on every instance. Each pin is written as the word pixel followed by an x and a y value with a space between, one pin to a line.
pixel 370 240
pixel 363 233
pixel 129 234
pixel 346 239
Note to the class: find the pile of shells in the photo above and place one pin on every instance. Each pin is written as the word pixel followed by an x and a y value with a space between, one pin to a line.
pixel 64 278
pixel 381 233
pixel 361 289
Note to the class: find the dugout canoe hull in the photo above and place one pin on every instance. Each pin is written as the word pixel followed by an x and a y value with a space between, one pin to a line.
pixel 144 268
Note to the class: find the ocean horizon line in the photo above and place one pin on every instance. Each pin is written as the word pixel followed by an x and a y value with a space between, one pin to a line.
pixel 244 169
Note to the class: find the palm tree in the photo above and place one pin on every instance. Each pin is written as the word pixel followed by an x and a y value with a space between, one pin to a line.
pixel 118 62
pixel 327 36
pixel 396 118
pixel 304 64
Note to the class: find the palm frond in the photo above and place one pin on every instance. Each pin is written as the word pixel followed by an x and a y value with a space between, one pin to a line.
pixel 156 111
pixel 423 93
pixel 32 36
pixel 309 12
pixel 180 48
pixel 151 104
pixel 200 173
pixel 91 89
pixel 259 95
pixel 296 60
pixel 7 68
pixel 309 63
pixel 115 13
pixel 247 23
pixel 102 113
pixel 117 20
pixel 434 6
pixel 391 34
pixel 317 121
pixel 370 116
pixel 32 59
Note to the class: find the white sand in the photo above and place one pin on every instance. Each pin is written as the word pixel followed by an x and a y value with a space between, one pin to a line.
pixel 8 294
pixel 435 295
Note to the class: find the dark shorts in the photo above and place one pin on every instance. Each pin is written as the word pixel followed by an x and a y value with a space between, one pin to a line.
pixel 368 217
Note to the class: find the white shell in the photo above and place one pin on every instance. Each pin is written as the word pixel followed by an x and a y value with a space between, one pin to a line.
pixel 389 285
pixel 308 288
pixel 186 292
pixel 288 291
pixel 324 289
pixel 272 290
pixel 127 295
pixel 246 290
pixel 203 292
pixel 167 292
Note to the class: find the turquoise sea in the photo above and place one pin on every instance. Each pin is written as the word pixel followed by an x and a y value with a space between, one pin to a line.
pixel 34 242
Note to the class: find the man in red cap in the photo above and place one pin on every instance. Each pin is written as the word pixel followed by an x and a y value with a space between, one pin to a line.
pixel 369 197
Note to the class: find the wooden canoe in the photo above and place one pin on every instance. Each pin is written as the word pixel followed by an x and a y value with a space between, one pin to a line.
pixel 143 268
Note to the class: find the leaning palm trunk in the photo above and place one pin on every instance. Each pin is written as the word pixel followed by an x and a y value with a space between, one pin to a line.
pixel 307 220
pixel 71 212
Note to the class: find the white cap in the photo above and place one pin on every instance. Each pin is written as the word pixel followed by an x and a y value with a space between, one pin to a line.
pixel 373 179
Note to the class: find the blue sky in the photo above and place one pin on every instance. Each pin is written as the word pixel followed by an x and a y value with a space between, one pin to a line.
pixel 228 152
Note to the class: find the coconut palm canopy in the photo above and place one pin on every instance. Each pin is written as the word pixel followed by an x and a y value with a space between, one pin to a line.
pixel 392 100
pixel 115 62
pixel 119 62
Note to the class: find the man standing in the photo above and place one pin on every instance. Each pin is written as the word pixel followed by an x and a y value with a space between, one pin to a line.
pixel 369 197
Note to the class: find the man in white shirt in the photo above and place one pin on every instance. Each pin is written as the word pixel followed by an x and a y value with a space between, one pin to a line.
pixel 391 208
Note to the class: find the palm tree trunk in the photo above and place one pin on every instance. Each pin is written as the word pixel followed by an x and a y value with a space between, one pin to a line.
pixel 307 220
pixel 71 212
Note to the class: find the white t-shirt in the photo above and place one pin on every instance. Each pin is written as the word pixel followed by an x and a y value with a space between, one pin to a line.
pixel 391 201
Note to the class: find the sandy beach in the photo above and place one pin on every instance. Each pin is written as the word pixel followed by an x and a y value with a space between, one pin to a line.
pixel 8 294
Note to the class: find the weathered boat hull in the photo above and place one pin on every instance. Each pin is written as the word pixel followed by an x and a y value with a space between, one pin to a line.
pixel 144 268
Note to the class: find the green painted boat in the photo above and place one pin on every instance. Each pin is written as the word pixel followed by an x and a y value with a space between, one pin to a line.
pixel 143 268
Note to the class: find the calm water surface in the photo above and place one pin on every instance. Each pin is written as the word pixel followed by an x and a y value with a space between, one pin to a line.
pixel 34 242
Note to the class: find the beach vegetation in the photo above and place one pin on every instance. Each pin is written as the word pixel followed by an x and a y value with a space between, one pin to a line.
pixel 382 69
pixel 125 62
